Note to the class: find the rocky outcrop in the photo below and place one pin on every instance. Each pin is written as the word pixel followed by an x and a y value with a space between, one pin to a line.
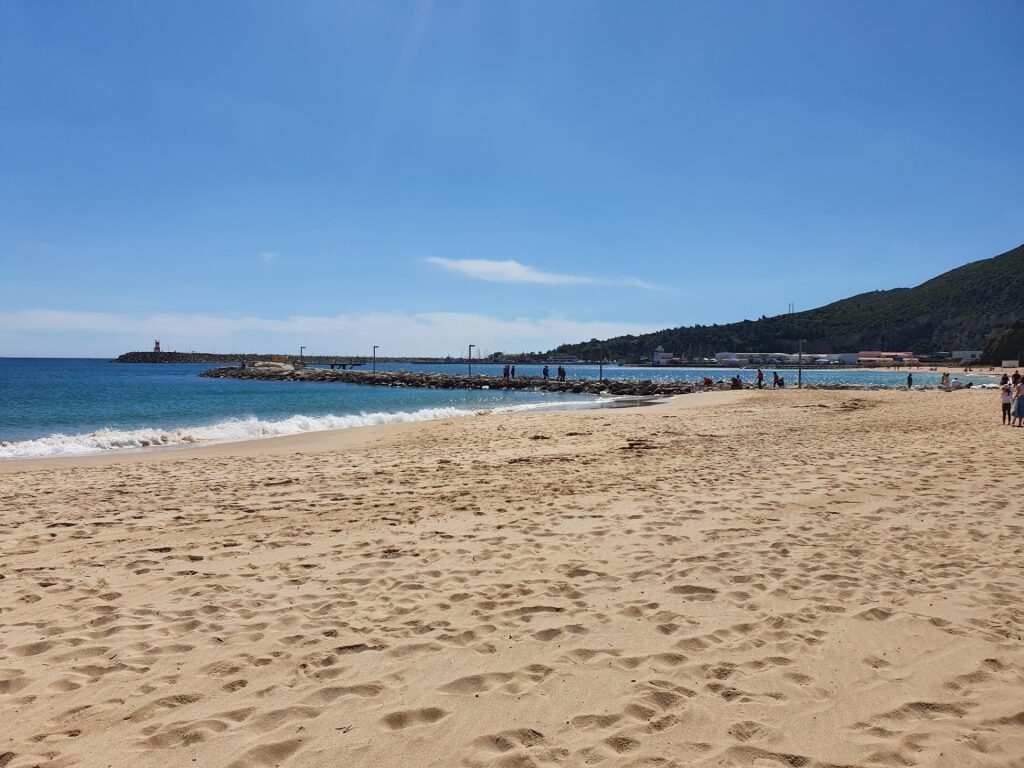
pixel 284 372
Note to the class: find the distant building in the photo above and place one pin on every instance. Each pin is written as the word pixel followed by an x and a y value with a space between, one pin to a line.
pixel 156 345
pixel 843 358
pixel 877 358
pixel 661 357
pixel 759 358
pixel 561 359
pixel 966 355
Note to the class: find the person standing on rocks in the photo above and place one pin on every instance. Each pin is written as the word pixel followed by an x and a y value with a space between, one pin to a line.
pixel 545 373
pixel 513 371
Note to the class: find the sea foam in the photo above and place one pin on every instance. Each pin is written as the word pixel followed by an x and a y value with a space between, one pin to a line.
pixel 233 430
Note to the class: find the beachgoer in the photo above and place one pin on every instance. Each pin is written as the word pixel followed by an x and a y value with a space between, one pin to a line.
pixel 513 371
pixel 775 379
pixel 955 383
pixel 1015 378
pixel 504 373
pixel 782 383
pixel 760 379
pixel 1006 398
pixel 910 380
pixel 1019 404
pixel 545 373
pixel 1004 379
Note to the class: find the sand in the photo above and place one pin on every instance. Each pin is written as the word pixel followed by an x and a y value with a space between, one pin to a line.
pixel 738 579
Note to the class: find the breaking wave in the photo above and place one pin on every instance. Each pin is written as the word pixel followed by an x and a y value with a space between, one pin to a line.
pixel 233 430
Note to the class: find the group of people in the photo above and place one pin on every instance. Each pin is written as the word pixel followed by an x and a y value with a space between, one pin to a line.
pixel 777 381
pixel 510 373
pixel 1011 395
pixel 559 374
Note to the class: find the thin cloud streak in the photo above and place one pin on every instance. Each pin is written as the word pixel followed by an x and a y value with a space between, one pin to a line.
pixel 512 271
pixel 84 334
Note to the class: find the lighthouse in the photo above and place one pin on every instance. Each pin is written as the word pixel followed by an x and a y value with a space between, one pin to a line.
pixel 156 345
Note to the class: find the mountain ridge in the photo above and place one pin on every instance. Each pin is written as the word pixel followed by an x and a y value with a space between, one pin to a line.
pixel 959 309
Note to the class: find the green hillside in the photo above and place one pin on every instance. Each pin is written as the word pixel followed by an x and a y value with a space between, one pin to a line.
pixel 960 309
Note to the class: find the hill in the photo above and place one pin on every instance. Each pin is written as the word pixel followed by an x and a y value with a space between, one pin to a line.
pixel 960 309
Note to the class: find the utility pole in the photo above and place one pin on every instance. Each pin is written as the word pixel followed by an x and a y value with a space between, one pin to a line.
pixel 302 364
pixel 375 347
pixel 470 360
pixel 800 366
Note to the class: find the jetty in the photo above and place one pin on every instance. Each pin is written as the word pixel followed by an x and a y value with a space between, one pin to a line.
pixel 264 371
pixel 156 356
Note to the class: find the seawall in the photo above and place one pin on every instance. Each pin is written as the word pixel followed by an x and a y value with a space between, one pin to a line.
pixel 449 381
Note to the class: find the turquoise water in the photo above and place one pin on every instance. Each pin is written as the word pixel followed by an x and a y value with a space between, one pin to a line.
pixel 52 407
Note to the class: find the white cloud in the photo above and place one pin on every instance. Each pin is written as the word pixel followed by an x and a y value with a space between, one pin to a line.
pixel 511 271
pixel 269 255
pixel 99 334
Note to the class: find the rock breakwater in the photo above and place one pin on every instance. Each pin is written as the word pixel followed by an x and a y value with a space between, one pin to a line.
pixel 619 387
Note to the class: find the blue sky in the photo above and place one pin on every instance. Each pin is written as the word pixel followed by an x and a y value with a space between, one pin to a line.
pixel 256 175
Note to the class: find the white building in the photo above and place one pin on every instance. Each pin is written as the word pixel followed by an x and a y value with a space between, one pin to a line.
pixel 661 357
pixel 966 355
pixel 844 358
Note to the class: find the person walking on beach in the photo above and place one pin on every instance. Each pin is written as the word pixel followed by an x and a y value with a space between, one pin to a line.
pixel 775 379
pixel 910 381
pixel 760 379
pixel 1006 399
pixel 1017 408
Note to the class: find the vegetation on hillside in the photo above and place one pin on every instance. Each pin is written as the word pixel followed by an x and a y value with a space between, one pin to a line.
pixel 1008 345
pixel 958 310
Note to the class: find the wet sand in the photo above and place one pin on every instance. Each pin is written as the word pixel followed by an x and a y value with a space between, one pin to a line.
pixel 814 578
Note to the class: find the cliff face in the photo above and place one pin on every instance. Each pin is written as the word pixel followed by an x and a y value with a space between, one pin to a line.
pixel 1008 345
pixel 959 309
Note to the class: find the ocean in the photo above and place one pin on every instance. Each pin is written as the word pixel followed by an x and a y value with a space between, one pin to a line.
pixel 60 407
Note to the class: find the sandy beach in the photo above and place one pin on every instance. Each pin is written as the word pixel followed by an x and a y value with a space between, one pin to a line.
pixel 777 578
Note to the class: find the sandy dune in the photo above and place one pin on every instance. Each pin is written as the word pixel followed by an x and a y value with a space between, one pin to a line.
pixel 753 579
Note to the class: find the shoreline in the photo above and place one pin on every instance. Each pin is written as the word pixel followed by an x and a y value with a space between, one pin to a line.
pixel 323 439
pixel 607 404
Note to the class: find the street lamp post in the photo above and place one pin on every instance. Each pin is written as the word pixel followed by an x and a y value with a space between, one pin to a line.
pixel 375 347
pixel 302 363
pixel 470 360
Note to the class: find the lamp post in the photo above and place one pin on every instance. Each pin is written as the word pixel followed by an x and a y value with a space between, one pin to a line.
pixel 302 364
pixel 470 359
pixel 800 366
pixel 375 346
pixel 600 365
